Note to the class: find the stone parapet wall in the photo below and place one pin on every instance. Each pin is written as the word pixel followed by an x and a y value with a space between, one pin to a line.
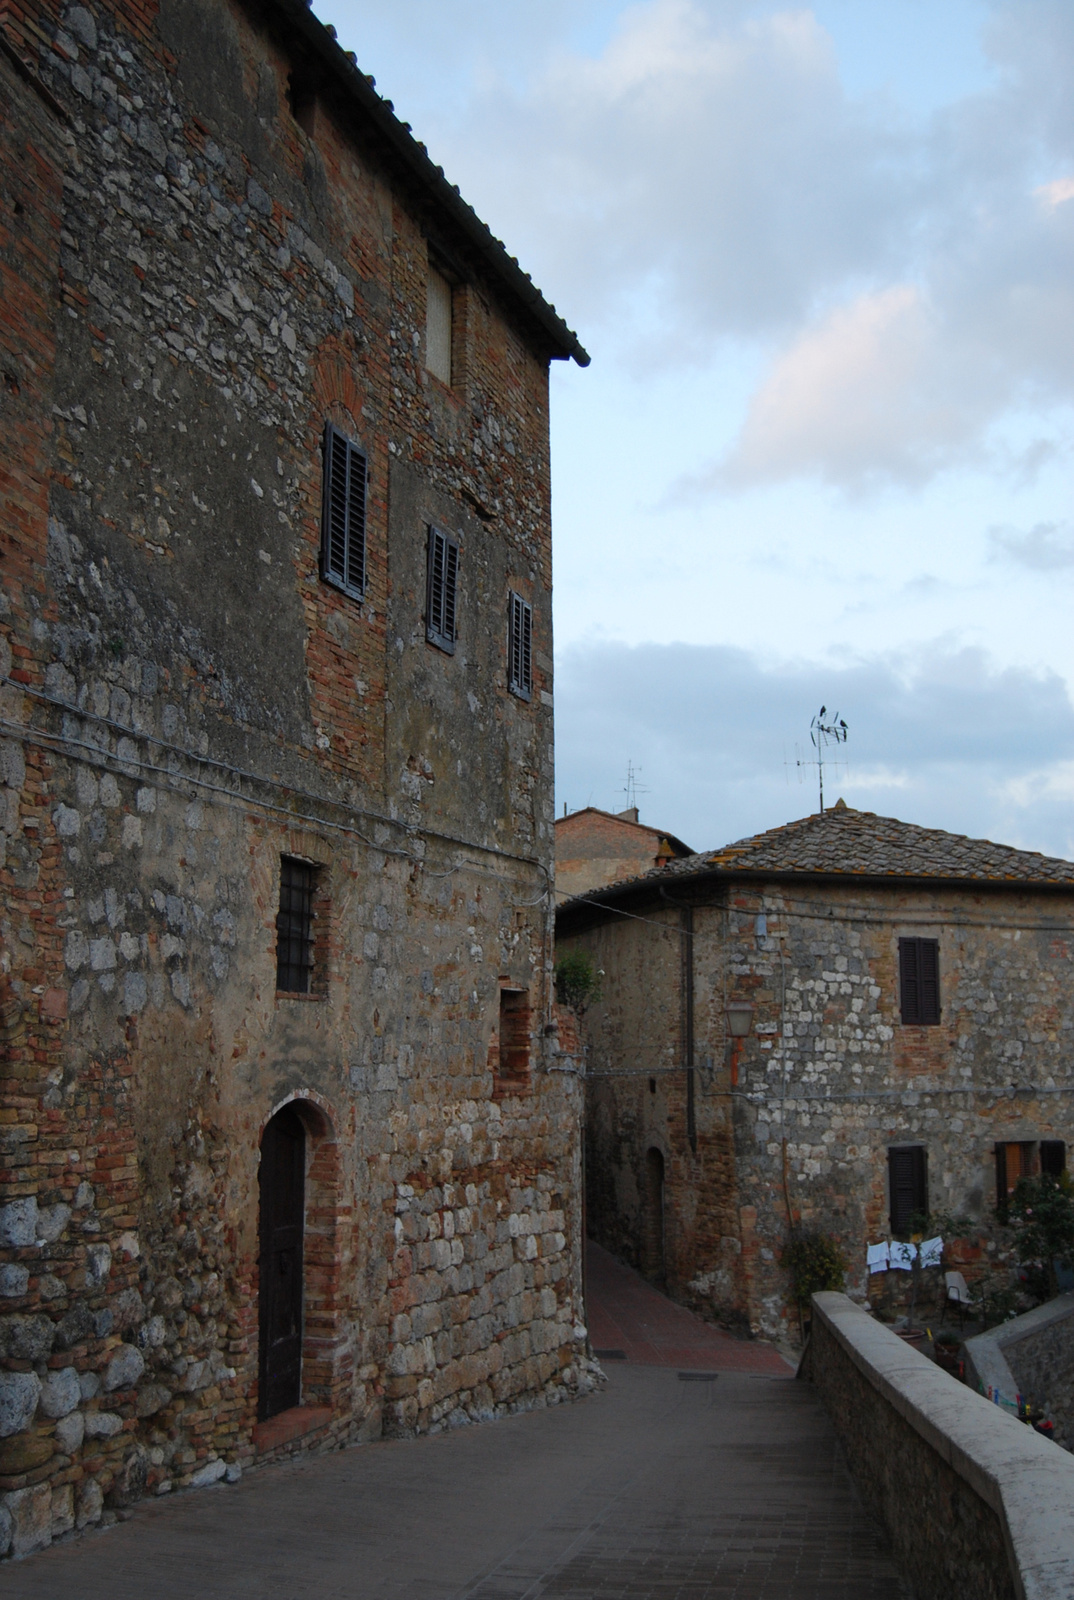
pixel 977 1506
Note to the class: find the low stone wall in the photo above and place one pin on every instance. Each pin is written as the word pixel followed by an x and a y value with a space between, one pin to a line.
pixel 977 1506
pixel 1032 1356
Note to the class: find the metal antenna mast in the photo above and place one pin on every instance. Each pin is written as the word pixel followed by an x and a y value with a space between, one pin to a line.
pixel 824 731
pixel 632 788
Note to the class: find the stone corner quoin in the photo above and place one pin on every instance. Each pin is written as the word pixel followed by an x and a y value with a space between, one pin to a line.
pixel 276 802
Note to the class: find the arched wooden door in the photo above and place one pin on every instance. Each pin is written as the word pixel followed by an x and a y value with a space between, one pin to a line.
pixel 282 1182
pixel 652 1220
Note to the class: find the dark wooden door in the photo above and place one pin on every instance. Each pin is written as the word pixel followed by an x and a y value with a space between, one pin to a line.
pixel 282 1180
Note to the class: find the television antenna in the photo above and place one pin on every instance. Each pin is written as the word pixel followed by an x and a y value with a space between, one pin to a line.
pixel 632 788
pixel 825 732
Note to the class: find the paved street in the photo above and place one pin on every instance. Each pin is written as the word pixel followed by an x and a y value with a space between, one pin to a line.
pixel 726 1486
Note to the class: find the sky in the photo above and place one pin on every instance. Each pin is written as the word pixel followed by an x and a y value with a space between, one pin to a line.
pixel 823 259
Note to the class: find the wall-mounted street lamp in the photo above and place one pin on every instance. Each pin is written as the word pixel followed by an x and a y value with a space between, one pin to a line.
pixel 739 1023
pixel 739 1019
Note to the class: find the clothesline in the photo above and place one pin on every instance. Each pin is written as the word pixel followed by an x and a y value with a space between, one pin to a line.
pixel 899 1255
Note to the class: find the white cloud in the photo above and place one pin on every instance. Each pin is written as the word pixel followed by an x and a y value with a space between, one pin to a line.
pixel 1056 193
pixel 1042 549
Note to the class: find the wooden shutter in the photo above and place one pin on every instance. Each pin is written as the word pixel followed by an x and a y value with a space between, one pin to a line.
pixel 519 647
pixel 441 588
pixel 919 981
pixel 1001 1177
pixel 907 1183
pixel 343 515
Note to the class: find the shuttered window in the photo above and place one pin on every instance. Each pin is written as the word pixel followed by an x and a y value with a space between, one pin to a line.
pixel 519 647
pixel 441 591
pixel 919 981
pixel 343 515
pixel 907 1185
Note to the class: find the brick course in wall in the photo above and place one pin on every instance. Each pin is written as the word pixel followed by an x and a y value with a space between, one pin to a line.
pixel 193 286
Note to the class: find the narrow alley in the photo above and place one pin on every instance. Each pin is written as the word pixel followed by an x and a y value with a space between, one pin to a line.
pixel 702 1470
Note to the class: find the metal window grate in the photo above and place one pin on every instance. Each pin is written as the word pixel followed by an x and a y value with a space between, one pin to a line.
pixel 442 587
pixel 343 513
pixel 294 926
pixel 919 981
pixel 519 646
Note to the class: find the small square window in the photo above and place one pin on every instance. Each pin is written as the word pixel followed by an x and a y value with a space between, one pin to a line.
pixel 294 926
pixel 343 514
pixel 441 589
pixel 438 326
pixel 519 647
pixel 1053 1157
pixel 919 981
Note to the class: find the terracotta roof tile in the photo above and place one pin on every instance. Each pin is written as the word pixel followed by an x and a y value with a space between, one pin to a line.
pixel 845 842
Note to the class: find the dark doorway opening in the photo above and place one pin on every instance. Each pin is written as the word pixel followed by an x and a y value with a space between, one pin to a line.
pixel 282 1182
pixel 652 1221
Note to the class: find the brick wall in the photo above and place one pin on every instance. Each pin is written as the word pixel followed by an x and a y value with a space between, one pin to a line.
pixel 193 287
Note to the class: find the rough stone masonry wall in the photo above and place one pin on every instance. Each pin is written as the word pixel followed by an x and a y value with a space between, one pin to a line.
pixel 828 1065
pixel 193 285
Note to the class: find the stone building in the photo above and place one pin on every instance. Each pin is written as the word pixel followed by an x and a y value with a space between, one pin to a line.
pixel 595 847
pixel 289 1149
pixel 844 1020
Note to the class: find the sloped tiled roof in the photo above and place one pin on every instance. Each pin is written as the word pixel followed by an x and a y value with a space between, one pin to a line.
pixel 843 842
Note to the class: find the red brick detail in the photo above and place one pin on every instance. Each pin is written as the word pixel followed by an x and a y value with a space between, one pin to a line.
pixel 287 1426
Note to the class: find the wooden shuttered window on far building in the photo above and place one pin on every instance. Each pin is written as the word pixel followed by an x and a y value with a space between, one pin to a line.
pixel 343 514
pixel 441 591
pixel 908 1189
pixel 519 646
pixel 919 981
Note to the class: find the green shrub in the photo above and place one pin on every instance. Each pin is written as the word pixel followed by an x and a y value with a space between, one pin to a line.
pixel 577 980
pixel 1040 1214
pixel 815 1262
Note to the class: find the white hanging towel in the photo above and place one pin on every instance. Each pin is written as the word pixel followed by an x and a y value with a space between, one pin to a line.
pixel 931 1252
pixel 902 1255
pixel 876 1256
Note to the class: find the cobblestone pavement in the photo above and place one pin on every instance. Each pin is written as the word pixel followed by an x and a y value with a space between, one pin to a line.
pixel 726 1487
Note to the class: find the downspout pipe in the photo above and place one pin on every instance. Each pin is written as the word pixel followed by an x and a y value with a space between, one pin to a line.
pixel 686 928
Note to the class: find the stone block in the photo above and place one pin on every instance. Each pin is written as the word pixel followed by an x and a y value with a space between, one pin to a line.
pixel 211 1472
pixel 18 1222
pixel 70 1432
pixel 60 1393
pixel 19 1394
pixel 90 1503
pixel 103 1424
pixel 31 1519
pixel 124 1369
pixel 51 1222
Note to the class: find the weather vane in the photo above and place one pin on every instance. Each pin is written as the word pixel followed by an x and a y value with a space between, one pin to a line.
pixel 824 731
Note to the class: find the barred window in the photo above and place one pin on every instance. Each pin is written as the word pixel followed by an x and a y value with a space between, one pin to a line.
pixel 519 646
pixel 294 926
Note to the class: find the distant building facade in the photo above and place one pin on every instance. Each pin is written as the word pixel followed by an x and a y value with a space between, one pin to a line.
pixel 905 1000
pixel 595 847
pixel 289 1152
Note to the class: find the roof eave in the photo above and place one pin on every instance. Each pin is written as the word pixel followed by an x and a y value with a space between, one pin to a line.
pixel 649 886
pixel 346 74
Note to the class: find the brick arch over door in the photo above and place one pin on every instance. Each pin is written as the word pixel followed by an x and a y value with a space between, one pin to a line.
pixel 326 1250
